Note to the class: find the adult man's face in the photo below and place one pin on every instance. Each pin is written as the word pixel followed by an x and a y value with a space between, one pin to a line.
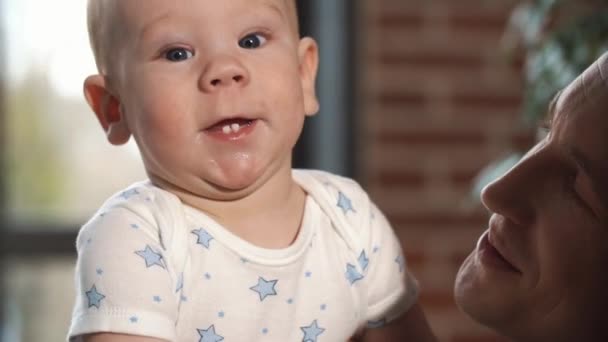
pixel 539 272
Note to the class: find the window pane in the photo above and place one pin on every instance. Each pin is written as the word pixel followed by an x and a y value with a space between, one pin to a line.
pixel 60 167
pixel 39 299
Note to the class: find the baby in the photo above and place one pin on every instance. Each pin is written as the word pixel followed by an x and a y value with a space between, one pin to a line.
pixel 225 241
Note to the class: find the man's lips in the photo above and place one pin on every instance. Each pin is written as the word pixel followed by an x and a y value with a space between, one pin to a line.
pixel 497 242
pixel 493 254
pixel 498 237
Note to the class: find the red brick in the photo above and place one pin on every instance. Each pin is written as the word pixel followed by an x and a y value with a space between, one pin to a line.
pixel 436 60
pixel 469 22
pixel 486 100
pixel 402 21
pixel 432 138
pixel 399 178
pixel 464 177
pixel 402 99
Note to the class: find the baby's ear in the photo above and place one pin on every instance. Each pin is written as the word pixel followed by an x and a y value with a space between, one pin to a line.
pixel 107 109
pixel 308 55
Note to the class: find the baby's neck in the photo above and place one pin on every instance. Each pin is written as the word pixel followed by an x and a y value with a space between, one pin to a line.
pixel 269 217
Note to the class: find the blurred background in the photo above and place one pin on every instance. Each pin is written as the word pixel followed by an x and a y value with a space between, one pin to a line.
pixel 423 102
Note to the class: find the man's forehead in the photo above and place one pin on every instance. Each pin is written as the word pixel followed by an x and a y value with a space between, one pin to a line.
pixel 590 89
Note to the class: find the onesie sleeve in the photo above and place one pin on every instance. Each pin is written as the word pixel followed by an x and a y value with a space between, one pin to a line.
pixel 391 289
pixel 123 281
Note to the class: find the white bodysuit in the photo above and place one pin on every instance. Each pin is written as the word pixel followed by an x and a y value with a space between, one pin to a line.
pixel 150 265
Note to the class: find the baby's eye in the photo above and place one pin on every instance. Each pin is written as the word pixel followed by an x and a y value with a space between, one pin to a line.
pixel 178 54
pixel 252 41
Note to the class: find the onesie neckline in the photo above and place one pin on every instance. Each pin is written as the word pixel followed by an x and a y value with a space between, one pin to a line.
pixel 256 254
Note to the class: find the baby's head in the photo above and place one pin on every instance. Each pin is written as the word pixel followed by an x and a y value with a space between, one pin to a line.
pixel 214 92
pixel 106 25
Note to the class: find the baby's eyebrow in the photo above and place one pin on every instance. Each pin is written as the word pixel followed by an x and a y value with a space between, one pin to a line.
pixel 152 22
pixel 274 8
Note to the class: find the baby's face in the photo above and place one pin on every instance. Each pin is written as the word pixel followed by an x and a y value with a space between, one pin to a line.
pixel 214 92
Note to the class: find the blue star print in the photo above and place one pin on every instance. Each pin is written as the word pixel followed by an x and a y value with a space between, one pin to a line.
pixel 204 238
pixel 265 288
pixel 209 335
pixel 363 260
pixel 352 275
pixel 311 332
pixel 180 283
pixel 376 324
pixel 344 203
pixel 152 258
pixel 129 193
pixel 399 260
pixel 94 297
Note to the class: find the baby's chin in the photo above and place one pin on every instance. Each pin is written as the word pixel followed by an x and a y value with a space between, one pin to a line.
pixel 232 188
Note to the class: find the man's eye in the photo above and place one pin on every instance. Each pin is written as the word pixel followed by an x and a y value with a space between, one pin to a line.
pixel 178 55
pixel 252 41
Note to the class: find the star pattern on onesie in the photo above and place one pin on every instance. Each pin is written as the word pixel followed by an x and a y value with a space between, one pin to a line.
pixel 352 274
pixel 180 283
pixel 344 203
pixel 311 332
pixel 209 335
pixel 94 297
pixel 151 257
pixel 401 262
pixel 265 288
pixel 357 267
pixel 363 260
pixel 376 324
pixel 204 238
pixel 129 193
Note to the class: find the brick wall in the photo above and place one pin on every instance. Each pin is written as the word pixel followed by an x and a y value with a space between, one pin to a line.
pixel 438 103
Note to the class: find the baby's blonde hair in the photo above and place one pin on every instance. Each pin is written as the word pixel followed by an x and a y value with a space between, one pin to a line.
pixel 103 21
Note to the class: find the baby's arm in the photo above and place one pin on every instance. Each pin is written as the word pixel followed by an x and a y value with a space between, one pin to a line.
pixel 124 279
pixel 411 326
pixel 393 313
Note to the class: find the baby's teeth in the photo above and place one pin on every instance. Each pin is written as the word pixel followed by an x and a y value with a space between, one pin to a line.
pixel 235 127
pixel 226 129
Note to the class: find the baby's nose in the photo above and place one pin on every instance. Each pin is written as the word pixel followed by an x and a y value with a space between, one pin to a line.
pixel 223 72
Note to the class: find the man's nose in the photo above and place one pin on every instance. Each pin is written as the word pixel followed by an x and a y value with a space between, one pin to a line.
pixel 517 193
pixel 223 72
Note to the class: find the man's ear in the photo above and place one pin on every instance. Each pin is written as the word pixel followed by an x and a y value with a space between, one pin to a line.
pixel 107 109
pixel 308 54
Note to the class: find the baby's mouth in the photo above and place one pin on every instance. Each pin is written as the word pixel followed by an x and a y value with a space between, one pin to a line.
pixel 230 126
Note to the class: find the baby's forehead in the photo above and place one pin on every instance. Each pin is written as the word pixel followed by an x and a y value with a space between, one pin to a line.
pixel 135 9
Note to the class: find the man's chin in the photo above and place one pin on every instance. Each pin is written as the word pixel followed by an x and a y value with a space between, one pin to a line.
pixel 487 300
